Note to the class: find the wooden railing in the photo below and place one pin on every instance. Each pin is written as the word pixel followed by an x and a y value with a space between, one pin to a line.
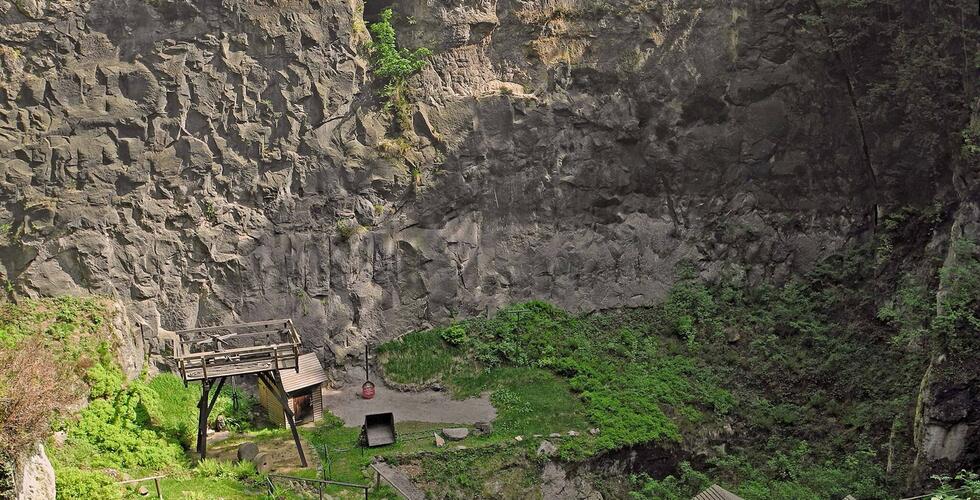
pixel 156 482
pixel 217 351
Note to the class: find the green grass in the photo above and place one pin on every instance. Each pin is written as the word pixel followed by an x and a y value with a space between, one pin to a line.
pixel 419 358
pixel 550 371
pixel 205 488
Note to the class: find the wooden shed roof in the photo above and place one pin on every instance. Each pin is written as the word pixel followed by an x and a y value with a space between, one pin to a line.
pixel 716 492
pixel 310 373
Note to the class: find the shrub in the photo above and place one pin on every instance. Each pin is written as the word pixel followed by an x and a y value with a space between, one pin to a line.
pixel 395 65
pixel 73 483
pixel 34 387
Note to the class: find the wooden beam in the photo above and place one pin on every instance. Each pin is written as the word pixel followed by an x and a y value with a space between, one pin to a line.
pixel 202 419
pixel 273 381
pixel 242 326
pixel 221 383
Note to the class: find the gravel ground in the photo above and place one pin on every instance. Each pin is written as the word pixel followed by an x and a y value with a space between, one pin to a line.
pixel 426 406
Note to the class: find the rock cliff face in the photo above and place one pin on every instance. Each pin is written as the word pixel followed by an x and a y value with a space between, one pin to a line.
pixel 206 161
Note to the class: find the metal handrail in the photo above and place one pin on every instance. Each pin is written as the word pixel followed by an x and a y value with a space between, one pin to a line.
pixel 320 483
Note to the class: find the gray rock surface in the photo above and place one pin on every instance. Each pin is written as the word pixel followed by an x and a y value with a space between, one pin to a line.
pixel 547 448
pixel 263 462
pixel 196 159
pixel 456 433
pixel 247 451
pixel 35 476
pixel 205 162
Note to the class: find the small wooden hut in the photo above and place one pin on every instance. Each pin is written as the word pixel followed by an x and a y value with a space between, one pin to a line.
pixel 303 390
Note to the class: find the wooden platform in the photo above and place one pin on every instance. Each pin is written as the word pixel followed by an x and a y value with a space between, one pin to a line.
pixel 214 353
pixel 241 349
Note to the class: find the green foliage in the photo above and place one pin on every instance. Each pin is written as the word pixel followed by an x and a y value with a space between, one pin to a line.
pixel 390 62
pixel 631 385
pixel 957 321
pixel 211 468
pixel 76 326
pixel 910 310
pixel 690 310
pixel 964 486
pixel 395 65
pixel 793 472
pixel 348 229
pixel 76 484
pixel 682 486
pixel 419 358
pixel 177 416
pixel 115 429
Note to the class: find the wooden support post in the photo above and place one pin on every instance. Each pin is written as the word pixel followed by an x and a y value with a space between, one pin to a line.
pixel 217 391
pixel 202 422
pixel 156 481
pixel 274 382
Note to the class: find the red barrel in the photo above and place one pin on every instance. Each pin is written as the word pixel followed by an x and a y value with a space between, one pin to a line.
pixel 367 390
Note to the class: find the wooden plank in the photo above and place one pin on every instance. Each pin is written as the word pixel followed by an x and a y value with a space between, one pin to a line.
pixel 238 350
pixel 399 481
pixel 236 326
pixel 214 371
pixel 317 403
pixel 274 382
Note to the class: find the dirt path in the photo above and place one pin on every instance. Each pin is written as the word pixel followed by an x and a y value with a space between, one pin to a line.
pixel 425 406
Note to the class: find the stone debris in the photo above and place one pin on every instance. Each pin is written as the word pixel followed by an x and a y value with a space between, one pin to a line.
pixel 554 435
pixel 573 433
pixel 518 438
pixel 440 442
pixel 594 431
pixel 547 448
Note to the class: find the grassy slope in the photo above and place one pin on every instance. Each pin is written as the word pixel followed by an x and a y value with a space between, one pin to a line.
pixel 803 372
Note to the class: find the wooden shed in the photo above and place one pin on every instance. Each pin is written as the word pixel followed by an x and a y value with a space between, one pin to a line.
pixel 304 389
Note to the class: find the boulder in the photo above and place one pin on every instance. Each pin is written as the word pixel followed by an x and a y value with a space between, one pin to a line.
pixel 263 462
pixel 35 478
pixel 247 451
pixel 483 428
pixel 456 433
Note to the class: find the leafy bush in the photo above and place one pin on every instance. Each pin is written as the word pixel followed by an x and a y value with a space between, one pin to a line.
pixel 968 487
pixel 390 62
pixel 74 483
pixel 395 65
pixel 682 486
pixel 46 348
pixel 957 322
pixel 116 427
pixel 212 468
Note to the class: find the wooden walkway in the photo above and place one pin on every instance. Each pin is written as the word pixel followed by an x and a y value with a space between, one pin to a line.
pixel 399 481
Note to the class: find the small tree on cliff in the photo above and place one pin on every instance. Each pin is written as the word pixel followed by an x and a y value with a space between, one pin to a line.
pixel 395 65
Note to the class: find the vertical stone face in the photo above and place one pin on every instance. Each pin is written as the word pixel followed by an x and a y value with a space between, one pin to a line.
pixel 35 476
pixel 216 161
